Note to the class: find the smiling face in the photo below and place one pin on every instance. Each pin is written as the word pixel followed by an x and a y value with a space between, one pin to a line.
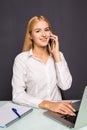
pixel 40 33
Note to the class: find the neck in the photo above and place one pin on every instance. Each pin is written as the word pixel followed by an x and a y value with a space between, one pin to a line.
pixel 41 53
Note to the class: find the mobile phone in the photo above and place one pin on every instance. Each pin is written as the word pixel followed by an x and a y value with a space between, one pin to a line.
pixel 51 41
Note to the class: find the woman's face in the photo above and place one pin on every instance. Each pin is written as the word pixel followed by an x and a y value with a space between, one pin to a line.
pixel 40 34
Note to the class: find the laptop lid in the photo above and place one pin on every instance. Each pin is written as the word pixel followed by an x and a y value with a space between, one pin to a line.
pixel 81 118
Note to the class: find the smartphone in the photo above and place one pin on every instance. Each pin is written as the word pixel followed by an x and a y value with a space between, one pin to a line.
pixel 51 41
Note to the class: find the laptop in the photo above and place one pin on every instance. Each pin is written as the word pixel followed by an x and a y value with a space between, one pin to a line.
pixel 77 121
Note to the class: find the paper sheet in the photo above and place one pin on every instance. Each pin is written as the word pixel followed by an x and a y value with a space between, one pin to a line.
pixel 7 115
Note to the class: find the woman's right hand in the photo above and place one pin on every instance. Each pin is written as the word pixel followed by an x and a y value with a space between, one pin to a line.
pixel 60 107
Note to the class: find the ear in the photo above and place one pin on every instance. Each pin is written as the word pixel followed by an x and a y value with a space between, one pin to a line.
pixel 30 36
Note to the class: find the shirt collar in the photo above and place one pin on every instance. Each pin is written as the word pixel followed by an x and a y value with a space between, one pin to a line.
pixel 30 53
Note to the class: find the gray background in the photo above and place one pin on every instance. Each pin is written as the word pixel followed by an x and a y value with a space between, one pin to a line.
pixel 69 22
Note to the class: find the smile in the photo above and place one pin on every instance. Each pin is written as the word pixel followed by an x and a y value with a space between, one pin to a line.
pixel 44 40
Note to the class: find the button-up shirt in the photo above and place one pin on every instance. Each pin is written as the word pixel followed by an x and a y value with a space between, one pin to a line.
pixel 34 81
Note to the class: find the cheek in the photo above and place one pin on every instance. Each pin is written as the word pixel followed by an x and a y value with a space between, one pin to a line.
pixel 33 37
pixel 48 34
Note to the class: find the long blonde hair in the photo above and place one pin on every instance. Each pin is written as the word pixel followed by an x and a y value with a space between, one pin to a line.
pixel 28 42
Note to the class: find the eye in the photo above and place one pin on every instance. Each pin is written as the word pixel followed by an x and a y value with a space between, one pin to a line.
pixel 47 29
pixel 37 31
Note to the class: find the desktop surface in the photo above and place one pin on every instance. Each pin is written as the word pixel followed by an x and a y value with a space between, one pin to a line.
pixel 36 120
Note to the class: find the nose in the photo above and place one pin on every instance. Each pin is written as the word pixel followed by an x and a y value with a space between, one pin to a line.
pixel 43 33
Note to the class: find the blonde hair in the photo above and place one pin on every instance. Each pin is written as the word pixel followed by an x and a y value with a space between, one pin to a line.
pixel 28 42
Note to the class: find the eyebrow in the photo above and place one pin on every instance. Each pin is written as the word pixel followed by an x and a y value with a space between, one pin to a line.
pixel 40 28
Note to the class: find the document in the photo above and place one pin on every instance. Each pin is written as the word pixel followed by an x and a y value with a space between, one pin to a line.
pixel 11 112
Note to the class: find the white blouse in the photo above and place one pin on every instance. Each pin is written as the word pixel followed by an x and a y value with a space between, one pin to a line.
pixel 33 81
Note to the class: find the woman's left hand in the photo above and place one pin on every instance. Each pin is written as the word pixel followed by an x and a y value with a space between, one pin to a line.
pixel 55 48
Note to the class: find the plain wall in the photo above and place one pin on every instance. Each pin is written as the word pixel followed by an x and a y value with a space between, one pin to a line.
pixel 69 22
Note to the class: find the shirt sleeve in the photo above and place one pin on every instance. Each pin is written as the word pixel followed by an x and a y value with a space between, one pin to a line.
pixel 64 78
pixel 19 94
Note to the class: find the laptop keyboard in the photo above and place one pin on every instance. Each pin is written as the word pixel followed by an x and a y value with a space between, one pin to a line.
pixel 72 119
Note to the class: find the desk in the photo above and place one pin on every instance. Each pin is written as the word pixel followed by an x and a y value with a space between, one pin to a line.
pixel 36 121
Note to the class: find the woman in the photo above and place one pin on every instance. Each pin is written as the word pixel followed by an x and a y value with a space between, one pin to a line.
pixel 40 71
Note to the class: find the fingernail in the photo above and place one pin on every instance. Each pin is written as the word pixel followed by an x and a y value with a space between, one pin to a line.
pixel 74 110
pixel 73 114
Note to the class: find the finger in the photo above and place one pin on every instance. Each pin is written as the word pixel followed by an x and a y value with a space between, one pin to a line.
pixel 66 113
pixel 62 112
pixel 54 37
pixel 67 109
pixel 70 106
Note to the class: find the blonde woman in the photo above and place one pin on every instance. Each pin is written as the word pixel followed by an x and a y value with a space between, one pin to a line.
pixel 40 71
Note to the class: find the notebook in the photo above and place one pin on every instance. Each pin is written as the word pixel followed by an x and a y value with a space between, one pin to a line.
pixel 81 112
pixel 11 112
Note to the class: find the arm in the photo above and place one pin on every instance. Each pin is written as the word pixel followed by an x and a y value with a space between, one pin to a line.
pixel 19 94
pixel 64 77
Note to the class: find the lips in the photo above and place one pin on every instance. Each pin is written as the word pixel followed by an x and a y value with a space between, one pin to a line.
pixel 44 40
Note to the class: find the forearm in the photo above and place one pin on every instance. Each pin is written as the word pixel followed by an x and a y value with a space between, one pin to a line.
pixel 63 74
pixel 25 99
pixel 57 57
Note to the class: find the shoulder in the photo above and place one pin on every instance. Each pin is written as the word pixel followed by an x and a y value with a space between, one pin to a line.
pixel 22 57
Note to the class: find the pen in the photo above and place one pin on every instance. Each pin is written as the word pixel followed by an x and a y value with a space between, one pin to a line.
pixel 15 111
